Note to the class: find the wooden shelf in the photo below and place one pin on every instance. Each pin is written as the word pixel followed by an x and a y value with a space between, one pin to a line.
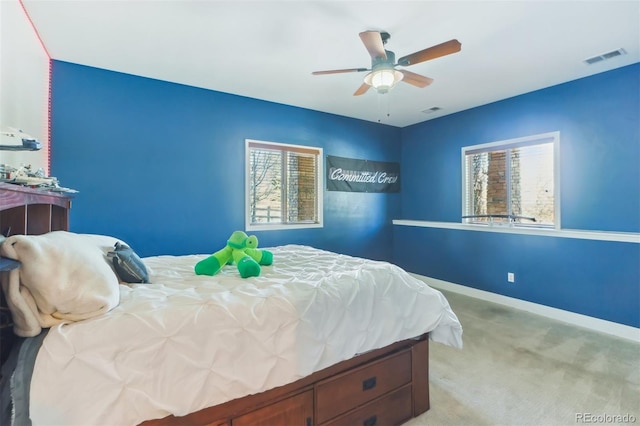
pixel 30 211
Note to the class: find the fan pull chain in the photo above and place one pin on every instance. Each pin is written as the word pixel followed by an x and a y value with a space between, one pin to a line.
pixel 380 107
pixel 388 105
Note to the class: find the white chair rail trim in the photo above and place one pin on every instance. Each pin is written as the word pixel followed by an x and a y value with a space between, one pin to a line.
pixel 623 237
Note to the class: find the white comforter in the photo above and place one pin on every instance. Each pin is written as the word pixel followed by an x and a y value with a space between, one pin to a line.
pixel 187 342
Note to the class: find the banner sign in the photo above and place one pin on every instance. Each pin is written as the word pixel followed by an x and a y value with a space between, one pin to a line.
pixel 352 175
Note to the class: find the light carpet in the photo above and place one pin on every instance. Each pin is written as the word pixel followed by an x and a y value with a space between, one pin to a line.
pixel 518 368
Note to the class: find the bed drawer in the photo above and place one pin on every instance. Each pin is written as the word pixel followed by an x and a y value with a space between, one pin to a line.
pixel 296 410
pixel 337 395
pixel 391 409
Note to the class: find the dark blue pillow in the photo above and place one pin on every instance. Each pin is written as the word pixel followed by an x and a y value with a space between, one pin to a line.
pixel 128 265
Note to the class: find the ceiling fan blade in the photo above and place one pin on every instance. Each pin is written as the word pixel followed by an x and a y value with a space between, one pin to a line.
pixel 373 42
pixel 415 79
pixel 446 48
pixel 362 89
pixel 339 71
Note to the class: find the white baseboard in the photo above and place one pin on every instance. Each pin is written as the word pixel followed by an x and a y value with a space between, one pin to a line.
pixel 596 324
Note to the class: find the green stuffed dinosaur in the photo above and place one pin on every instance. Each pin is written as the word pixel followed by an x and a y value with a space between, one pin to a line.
pixel 241 249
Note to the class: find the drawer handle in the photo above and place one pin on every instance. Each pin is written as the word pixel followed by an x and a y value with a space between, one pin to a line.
pixel 371 421
pixel 370 383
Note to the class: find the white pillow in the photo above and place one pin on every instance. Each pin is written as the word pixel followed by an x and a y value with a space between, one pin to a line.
pixel 63 277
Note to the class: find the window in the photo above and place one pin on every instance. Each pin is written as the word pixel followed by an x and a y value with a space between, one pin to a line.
pixel 284 186
pixel 512 182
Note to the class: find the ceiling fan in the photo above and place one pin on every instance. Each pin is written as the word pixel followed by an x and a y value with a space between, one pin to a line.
pixel 384 75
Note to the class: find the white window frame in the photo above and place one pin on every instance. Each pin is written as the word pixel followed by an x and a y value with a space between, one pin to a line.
pixel 319 195
pixel 554 137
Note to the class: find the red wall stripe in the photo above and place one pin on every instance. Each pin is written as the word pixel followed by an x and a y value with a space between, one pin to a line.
pixel 48 113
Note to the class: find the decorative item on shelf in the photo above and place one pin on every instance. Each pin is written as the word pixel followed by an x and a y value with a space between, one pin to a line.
pixel 12 139
pixel 24 176
pixel 6 172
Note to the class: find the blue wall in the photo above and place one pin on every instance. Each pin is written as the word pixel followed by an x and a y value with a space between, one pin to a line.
pixel 161 165
pixel 599 122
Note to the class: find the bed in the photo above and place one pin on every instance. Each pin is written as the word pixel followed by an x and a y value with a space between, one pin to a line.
pixel 317 338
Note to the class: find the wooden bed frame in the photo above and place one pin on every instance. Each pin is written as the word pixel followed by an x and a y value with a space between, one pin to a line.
pixel 381 387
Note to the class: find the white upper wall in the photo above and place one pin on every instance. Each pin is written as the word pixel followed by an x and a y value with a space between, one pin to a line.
pixel 24 84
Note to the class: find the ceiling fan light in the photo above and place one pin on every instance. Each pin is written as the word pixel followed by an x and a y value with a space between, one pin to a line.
pixel 383 79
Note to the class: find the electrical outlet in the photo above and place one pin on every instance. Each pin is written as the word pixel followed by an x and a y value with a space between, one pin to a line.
pixel 511 277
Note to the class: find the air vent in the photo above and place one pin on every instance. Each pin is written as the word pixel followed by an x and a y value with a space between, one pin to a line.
pixel 431 110
pixel 605 56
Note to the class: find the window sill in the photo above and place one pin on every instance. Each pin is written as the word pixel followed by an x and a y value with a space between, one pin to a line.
pixel 280 227
pixel 623 237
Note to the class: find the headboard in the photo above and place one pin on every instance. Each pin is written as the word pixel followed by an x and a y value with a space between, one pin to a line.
pixel 27 211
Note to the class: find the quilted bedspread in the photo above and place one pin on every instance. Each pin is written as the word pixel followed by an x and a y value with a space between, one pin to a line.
pixel 186 342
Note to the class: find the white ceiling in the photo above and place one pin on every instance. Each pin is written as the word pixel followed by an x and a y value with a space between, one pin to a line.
pixel 268 49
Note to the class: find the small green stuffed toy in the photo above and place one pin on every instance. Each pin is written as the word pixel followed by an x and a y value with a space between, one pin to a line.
pixel 241 249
